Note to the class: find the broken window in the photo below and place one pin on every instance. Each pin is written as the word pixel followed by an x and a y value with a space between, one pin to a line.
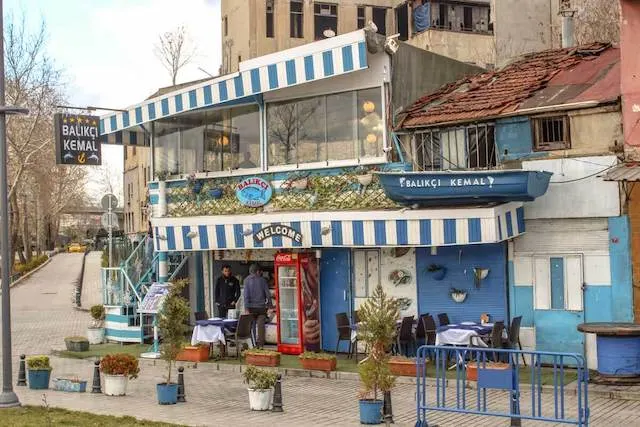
pixel 325 20
pixel 296 19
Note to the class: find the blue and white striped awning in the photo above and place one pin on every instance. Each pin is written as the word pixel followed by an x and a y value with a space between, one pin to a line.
pixel 432 227
pixel 314 61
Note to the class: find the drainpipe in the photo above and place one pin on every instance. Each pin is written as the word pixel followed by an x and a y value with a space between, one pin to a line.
pixel 568 39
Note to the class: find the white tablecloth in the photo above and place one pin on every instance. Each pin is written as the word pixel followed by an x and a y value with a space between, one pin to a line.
pixel 209 334
pixel 458 337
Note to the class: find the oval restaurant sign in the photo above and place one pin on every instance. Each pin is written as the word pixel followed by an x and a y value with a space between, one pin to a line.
pixel 254 192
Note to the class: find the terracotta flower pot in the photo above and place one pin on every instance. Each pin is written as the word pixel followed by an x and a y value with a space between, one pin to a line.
pixel 403 367
pixel 198 353
pixel 326 365
pixel 262 359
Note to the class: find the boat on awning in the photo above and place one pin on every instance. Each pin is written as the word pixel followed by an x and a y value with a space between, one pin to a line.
pixel 451 188
pixel 405 227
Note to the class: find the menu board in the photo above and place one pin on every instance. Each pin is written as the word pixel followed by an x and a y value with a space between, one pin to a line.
pixel 154 298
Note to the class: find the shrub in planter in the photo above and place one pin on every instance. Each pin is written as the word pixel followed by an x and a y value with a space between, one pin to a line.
pixel 403 366
pixel 39 372
pixel 172 324
pixel 76 343
pixel 261 383
pixel 118 369
pixel 95 332
pixel 318 361
pixel 377 330
pixel 259 357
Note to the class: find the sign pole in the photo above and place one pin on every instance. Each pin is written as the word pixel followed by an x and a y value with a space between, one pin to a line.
pixel 110 234
pixel 8 397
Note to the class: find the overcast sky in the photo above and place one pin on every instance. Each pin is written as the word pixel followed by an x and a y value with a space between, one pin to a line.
pixel 105 47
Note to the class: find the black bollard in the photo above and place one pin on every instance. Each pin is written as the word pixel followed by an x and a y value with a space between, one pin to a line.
pixel 96 388
pixel 181 393
pixel 387 410
pixel 22 374
pixel 277 395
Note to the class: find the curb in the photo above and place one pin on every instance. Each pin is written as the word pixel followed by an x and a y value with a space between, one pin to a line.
pixel 26 276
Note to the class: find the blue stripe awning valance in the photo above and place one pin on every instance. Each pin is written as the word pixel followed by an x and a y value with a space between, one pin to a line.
pixel 432 227
pixel 314 61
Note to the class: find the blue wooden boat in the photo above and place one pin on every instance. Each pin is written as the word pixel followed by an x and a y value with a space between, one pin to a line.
pixel 446 188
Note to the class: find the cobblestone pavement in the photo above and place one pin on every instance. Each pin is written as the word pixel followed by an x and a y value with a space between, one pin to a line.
pixel 43 315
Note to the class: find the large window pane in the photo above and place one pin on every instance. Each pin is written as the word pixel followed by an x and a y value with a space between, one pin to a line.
pixel 245 137
pixel 191 142
pixel 167 141
pixel 282 133
pixel 311 130
pixel 340 126
pixel 370 123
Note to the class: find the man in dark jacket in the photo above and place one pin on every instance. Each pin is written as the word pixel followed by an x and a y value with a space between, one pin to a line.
pixel 227 291
pixel 257 300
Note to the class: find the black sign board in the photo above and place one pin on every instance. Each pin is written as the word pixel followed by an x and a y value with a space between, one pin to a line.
pixel 77 140
pixel 278 230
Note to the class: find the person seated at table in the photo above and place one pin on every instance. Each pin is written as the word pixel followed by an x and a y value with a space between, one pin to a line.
pixel 227 291
pixel 257 300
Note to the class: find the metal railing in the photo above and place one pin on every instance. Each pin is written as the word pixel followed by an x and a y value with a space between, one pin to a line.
pixel 501 388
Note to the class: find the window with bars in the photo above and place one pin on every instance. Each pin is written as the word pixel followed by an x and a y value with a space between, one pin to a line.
pixel 361 17
pixel 270 18
pixel 551 133
pixel 296 19
pixel 325 17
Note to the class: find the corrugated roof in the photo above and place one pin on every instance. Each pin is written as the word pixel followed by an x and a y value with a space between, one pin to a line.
pixel 554 77
pixel 629 171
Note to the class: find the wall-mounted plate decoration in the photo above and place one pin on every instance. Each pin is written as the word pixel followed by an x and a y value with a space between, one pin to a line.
pixel 399 252
pixel 399 277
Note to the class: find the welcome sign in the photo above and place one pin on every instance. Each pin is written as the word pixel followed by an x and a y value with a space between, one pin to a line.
pixel 77 139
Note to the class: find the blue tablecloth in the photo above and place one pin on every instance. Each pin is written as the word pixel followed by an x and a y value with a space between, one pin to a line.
pixel 480 329
pixel 224 323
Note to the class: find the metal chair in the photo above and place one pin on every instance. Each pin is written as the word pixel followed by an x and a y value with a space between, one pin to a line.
pixel 421 334
pixel 344 331
pixel 356 317
pixel 405 337
pixel 242 333
pixel 492 341
pixel 514 337
pixel 443 319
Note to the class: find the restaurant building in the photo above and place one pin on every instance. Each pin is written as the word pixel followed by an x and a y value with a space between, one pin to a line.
pixel 559 112
pixel 294 161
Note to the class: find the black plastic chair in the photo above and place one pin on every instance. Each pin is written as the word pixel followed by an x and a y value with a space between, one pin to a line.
pixel 494 340
pixel 421 334
pixel 344 331
pixel 430 330
pixel 443 319
pixel 242 333
pixel 405 337
pixel 513 339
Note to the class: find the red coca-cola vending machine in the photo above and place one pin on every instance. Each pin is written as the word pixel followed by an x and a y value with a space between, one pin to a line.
pixel 297 302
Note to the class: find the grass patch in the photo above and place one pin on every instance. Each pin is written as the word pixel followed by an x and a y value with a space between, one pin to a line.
pixel 28 416
pixel 99 350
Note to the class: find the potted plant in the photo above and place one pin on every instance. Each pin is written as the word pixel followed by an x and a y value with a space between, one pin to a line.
pixel 458 295
pixel 194 184
pixel 436 271
pixel 39 372
pixel 76 343
pixel 74 384
pixel 162 175
pixel 403 366
pixel 363 175
pixel 172 325
pixel 215 193
pixel 260 357
pixel 318 361
pixel 377 330
pixel 118 369
pixel 261 383
pixel 197 353
pixel 95 332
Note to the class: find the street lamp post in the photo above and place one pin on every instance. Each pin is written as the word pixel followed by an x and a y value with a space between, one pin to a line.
pixel 8 398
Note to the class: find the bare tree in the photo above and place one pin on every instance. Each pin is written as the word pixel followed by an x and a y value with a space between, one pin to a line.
pixel 175 49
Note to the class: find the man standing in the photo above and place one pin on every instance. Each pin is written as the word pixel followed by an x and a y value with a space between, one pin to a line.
pixel 257 299
pixel 227 291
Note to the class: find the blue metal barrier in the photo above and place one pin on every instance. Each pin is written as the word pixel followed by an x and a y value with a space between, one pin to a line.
pixel 499 391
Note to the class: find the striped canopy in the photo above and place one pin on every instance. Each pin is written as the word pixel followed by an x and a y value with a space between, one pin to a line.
pixel 432 227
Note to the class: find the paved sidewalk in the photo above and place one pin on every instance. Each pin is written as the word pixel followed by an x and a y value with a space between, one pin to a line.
pixel 92 280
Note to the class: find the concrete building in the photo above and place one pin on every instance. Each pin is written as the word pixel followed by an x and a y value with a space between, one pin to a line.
pixel 137 172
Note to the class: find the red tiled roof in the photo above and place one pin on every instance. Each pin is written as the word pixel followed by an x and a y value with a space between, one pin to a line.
pixel 553 77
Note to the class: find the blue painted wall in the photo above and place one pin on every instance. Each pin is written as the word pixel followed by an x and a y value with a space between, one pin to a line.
pixel 514 135
pixel 522 304
pixel 335 282
pixel 621 273
pixel 433 295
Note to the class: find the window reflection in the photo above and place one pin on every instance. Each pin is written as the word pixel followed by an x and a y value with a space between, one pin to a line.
pixel 340 126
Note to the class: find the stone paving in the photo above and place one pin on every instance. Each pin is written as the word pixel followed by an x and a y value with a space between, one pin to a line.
pixel 43 315
pixel 91 283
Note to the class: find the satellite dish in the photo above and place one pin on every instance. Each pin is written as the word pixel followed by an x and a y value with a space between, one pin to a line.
pixel 328 33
